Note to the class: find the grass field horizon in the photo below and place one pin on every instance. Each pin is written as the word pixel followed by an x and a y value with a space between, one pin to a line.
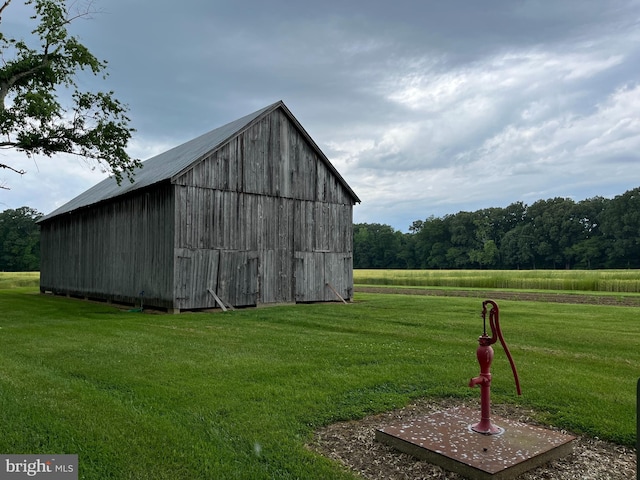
pixel 239 394
pixel 600 281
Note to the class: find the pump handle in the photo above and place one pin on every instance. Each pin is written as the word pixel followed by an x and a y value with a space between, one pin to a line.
pixel 494 322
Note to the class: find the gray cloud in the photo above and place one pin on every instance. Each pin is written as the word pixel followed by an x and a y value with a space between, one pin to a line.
pixel 426 108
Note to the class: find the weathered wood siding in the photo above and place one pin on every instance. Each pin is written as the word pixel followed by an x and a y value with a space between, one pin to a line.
pixel 315 271
pixel 263 219
pixel 270 158
pixel 113 251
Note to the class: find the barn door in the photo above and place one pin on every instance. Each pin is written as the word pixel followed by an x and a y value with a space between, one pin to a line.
pixel 196 271
pixel 238 278
pixel 310 284
pixel 316 270
pixel 338 272
pixel 183 281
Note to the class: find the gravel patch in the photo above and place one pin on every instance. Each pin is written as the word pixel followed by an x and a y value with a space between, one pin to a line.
pixel 353 444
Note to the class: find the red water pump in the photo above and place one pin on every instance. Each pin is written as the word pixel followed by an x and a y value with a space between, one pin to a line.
pixel 484 353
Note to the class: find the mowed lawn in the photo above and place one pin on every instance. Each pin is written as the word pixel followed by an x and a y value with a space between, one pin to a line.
pixel 239 394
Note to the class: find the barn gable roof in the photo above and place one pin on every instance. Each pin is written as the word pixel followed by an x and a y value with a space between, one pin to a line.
pixel 174 162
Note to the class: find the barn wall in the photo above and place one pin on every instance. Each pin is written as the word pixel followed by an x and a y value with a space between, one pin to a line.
pixel 113 251
pixel 267 202
pixel 270 158
pixel 240 246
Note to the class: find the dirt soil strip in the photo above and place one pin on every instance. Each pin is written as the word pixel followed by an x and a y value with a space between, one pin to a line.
pixel 590 299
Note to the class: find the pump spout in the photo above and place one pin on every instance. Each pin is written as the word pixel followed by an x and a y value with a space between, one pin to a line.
pixel 480 380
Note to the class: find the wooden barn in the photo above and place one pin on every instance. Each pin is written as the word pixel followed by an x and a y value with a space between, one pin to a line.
pixel 251 213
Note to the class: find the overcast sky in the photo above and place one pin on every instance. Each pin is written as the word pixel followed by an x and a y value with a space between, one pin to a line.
pixel 424 107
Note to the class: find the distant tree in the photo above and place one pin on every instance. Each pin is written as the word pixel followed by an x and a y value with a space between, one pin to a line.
pixel 464 240
pixel 589 251
pixel 491 226
pixel 376 246
pixel 486 257
pixel 432 242
pixel 556 228
pixel 621 227
pixel 407 254
pixel 35 76
pixel 416 226
pixel 19 240
pixel 517 248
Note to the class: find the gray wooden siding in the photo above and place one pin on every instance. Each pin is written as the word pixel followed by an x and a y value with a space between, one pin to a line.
pixel 266 200
pixel 323 227
pixel 278 233
pixel 233 223
pixel 271 158
pixel 315 271
pixel 233 275
pixel 113 251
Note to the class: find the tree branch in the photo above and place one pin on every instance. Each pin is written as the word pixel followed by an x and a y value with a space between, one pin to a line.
pixel 6 4
pixel 35 122
pixel 21 172
pixel 11 81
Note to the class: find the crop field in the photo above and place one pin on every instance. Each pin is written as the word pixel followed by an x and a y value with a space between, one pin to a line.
pixel 239 394
pixel 615 281
pixel 19 279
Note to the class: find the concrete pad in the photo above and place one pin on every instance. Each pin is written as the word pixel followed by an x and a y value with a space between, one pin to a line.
pixel 446 439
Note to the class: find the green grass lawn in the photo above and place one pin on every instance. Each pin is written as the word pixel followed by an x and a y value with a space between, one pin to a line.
pixel 239 394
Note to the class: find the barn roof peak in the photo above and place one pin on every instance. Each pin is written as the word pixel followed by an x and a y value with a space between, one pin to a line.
pixel 171 163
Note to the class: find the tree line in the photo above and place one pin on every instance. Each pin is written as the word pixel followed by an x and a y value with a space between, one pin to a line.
pixel 554 233
pixel 548 234
pixel 19 240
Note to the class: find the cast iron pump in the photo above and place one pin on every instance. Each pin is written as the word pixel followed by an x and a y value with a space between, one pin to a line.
pixel 484 353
